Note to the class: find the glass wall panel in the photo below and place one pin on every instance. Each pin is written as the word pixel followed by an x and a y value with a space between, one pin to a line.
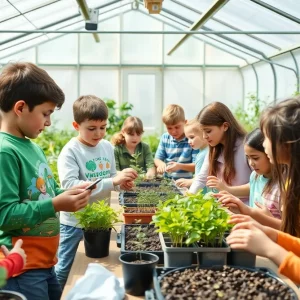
pixel 27 55
pixel 190 52
pixel 66 78
pixel 138 48
pixel 249 84
pixel 62 50
pixel 286 79
pixel 105 52
pixel 266 82
pixel 223 85
pixel 185 88
pixel 103 83
pixel 215 56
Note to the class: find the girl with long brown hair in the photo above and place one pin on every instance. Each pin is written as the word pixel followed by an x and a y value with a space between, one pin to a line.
pixel 226 159
pixel 128 142
pixel 281 127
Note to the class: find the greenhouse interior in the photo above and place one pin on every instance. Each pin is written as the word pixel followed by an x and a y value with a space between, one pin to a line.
pixel 142 57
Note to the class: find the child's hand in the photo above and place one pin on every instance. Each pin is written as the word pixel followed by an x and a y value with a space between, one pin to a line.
pixel 182 182
pixel 214 182
pixel 125 175
pixel 127 186
pixel 233 203
pixel 16 249
pixel 251 238
pixel 82 186
pixel 151 173
pixel 172 166
pixel 263 209
pixel 161 168
pixel 71 200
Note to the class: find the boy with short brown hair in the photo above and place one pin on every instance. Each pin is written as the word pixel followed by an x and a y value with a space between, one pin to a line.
pixel 174 157
pixel 28 96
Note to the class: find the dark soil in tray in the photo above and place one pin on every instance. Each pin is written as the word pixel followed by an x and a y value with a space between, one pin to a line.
pixel 150 243
pixel 140 210
pixel 227 283
pixel 130 199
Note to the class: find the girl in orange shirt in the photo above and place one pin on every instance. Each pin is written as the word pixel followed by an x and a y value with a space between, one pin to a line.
pixel 281 127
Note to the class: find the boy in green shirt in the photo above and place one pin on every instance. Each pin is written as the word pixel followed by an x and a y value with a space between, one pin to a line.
pixel 28 96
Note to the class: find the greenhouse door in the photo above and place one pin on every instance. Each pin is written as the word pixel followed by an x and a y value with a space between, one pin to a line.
pixel 142 88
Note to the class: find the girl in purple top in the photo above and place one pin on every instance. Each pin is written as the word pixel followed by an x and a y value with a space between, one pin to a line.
pixel 226 159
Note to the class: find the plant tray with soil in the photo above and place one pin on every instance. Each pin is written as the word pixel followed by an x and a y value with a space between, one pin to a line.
pixel 141 215
pixel 129 243
pixel 221 282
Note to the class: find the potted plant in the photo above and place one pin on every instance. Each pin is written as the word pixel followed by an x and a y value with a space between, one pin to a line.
pixel 138 267
pixel 193 223
pixel 97 220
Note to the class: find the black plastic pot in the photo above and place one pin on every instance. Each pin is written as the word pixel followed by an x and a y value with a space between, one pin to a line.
pixel 9 295
pixel 96 243
pixel 156 293
pixel 121 243
pixel 241 258
pixel 138 277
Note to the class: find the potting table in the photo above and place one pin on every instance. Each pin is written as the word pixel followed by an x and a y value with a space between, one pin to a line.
pixel 112 262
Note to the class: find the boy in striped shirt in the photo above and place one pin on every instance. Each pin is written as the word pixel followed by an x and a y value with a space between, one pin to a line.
pixel 174 156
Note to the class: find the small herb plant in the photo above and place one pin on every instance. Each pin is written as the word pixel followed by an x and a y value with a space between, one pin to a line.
pixel 148 198
pixel 98 216
pixel 135 165
pixel 193 218
pixel 140 240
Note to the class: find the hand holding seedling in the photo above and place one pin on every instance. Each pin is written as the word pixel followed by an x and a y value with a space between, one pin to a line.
pixel 172 166
pixel 233 203
pixel 214 182
pixel 125 175
pixel 16 249
pixel 127 186
pixel 161 168
pixel 182 182
pixel 71 200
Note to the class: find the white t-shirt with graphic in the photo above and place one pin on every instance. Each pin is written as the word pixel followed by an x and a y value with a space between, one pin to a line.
pixel 78 163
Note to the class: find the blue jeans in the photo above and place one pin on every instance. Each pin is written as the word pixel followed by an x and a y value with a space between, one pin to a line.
pixel 38 284
pixel 68 243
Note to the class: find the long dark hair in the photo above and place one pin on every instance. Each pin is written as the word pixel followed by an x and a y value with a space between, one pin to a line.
pixel 216 114
pixel 255 140
pixel 281 124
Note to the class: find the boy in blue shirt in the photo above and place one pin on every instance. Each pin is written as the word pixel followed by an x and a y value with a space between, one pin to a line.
pixel 174 156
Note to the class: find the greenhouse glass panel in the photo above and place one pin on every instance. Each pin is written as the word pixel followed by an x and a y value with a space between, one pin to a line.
pixel 7 11
pixel 53 13
pixel 291 7
pixel 184 87
pixel 143 91
pixel 214 56
pixel 103 83
pixel 17 23
pixel 62 50
pixel 26 55
pixel 249 16
pixel 286 79
pixel 250 87
pixel 266 82
pixel 66 78
pixel 14 47
pixel 141 48
pixel 105 52
pixel 224 85
pixel 27 5
pixel 191 52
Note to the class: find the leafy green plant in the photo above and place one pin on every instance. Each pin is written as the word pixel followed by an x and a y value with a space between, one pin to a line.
pixel 192 218
pixel 249 116
pixel 97 216
pixel 135 165
pixel 153 141
pixel 116 116
pixel 140 240
pixel 148 198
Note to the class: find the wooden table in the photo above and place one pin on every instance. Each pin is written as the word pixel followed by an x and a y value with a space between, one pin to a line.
pixel 112 262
